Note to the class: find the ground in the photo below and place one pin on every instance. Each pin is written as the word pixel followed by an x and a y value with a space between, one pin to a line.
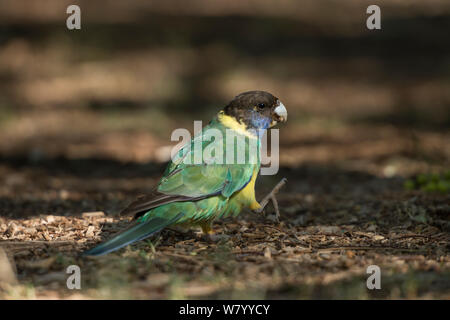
pixel 337 218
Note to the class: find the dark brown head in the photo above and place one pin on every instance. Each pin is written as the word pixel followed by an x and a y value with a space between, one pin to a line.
pixel 257 109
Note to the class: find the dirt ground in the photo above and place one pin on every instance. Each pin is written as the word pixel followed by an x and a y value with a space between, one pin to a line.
pixel 337 218
pixel 86 117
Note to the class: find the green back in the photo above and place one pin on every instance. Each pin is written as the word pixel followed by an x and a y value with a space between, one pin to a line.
pixel 214 174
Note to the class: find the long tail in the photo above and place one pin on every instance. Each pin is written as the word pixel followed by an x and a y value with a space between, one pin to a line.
pixel 137 232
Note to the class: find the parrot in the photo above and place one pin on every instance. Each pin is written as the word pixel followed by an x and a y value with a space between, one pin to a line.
pixel 193 192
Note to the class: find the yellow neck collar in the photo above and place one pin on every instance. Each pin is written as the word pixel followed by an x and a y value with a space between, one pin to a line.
pixel 232 123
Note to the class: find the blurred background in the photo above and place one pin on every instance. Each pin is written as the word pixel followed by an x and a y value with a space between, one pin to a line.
pixel 86 115
pixel 137 70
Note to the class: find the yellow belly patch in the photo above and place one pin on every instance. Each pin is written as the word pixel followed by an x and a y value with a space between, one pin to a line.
pixel 247 194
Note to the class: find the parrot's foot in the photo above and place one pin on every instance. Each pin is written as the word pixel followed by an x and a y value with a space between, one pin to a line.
pixel 213 237
pixel 210 236
pixel 271 196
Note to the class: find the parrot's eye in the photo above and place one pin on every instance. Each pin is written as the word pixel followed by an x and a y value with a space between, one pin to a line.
pixel 261 106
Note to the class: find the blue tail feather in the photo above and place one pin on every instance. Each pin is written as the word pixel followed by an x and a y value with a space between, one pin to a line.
pixel 139 231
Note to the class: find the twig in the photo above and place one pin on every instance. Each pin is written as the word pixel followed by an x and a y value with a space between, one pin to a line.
pixel 274 191
pixel 271 196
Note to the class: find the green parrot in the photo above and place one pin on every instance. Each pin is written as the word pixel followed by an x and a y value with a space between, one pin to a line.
pixel 211 177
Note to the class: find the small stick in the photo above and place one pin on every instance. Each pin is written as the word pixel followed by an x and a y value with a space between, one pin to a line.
pixel 275 206
pixel 271 196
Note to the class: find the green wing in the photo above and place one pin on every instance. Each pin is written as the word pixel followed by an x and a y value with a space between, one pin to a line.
pixel 184 180
pixel 213 176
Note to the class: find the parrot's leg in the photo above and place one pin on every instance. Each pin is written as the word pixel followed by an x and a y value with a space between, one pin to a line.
pixel 209 233
pixel 271 196
pixel 207 228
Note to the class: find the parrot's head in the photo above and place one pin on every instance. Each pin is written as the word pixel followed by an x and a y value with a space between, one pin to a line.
pixel 256 110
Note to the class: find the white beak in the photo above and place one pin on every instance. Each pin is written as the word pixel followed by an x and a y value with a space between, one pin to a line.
pixel 281 111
